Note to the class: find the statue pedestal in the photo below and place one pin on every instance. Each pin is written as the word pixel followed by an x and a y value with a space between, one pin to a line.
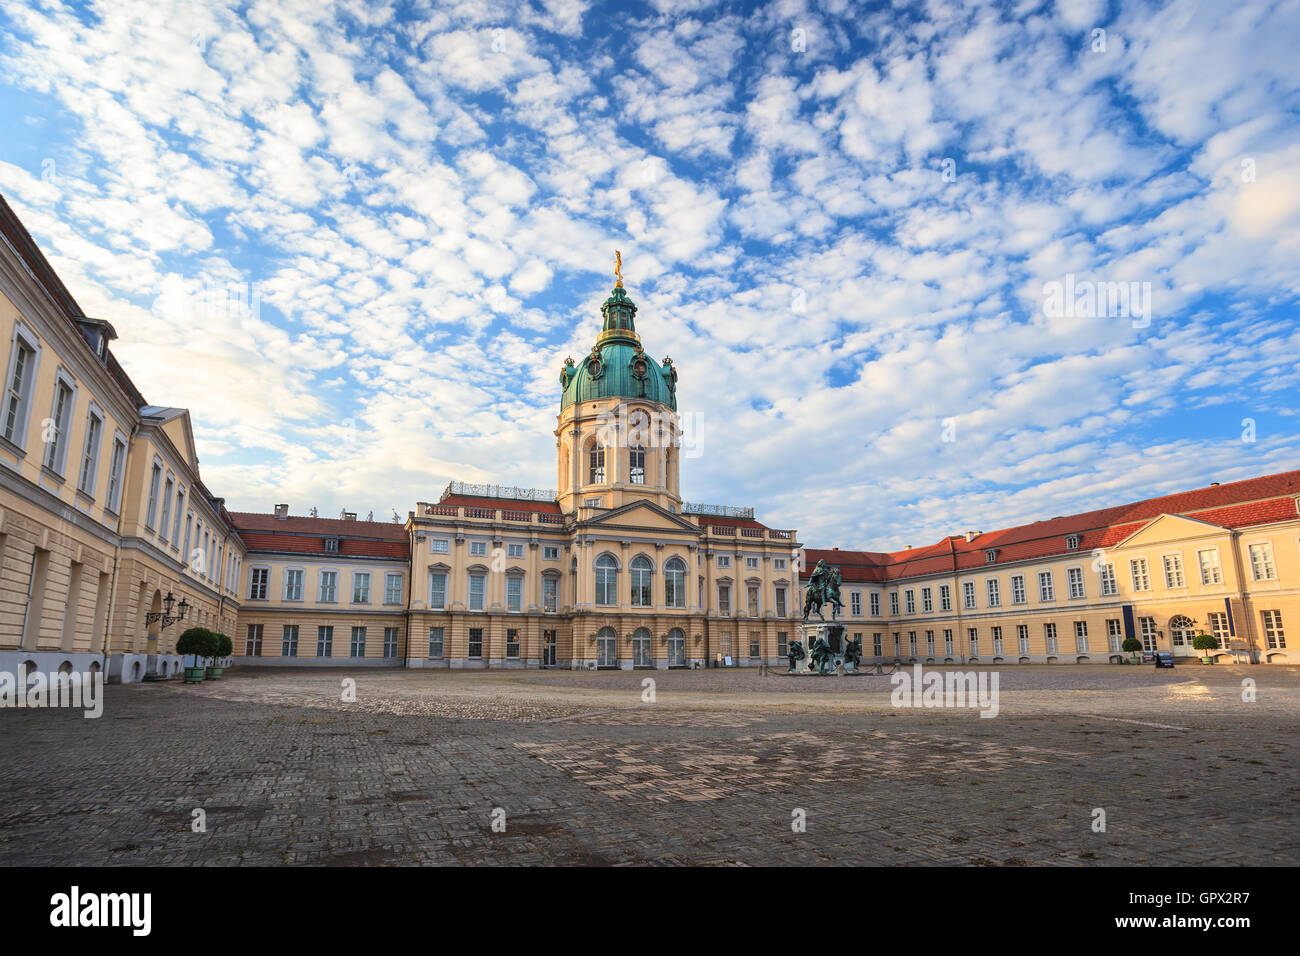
pixel 833 633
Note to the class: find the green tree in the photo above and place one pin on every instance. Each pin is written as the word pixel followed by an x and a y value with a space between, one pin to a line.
pixel 1132 645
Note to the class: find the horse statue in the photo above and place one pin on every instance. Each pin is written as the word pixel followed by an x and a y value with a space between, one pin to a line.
pixel 795 653
pixel 823 588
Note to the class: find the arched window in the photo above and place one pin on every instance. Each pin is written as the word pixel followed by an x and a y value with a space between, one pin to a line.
pixel 636 465
pixel 675 583
pixel 606 580
pixel 596 473
pixel 642 576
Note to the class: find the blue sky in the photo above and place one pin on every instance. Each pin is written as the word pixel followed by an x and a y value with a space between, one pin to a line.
pixel 357 240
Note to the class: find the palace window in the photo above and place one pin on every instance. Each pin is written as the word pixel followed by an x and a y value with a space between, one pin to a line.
pixel 166 506
pixel 514 551
pixel 477 588
pixel 1046 588
pixel 550 552
pixel 1141 579
pixel 927 600
pixel 550 594
pixel 1022 638
pixel 751 564
pixel 636 466
pixel 968 595
pixel 1074 579
pixel 392 588
pixel 1081 637
pixel 780 602
pixel 1211 573
pixel 876 648
pixel 997 642
pixel 289 641
pixel 893 603
pixel 57 448
pixel 1018 589
pixel 994 595
pixel 155 484
pixel 855 603
pixel 783 643
pixel 1173 570
pixel 929 643
pixel 724 598
pixel 675 583
pixel 435 642
pixel 331 545
pixel 176 521
pixel 606 580
pixel 512 643
pixel 1147 629
pixel 641 573
pixel 724 561
pixel 360 587
pixel 90 453
pixel 1261 562
pixel 116 466
pixel 1114 635
pixel 1109 588
pixel 475 643
pixel 293 584
pixel 257 582
pixel 514 593
pixel 478 549
pixel 911 643
pixel 325 641
pixel 909 601
pixel 1219 627
pixel 437 590
pixel 778 564
pixel 898 646
pixel 390 642
pixel 751 601
pixel 973 636
pixel 253 645
pixel 439 546
pixel 596 469
pixel 1072 543
pixel 875 606
pixel 1274 637
pixel 22 375
pixel 329 584
pixel 358 642
pixel 1049 631
pixel 945 598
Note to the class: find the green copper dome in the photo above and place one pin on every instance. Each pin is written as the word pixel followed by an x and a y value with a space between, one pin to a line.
pixel 617 367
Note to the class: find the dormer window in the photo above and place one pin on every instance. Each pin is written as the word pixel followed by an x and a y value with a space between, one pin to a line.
pixel 332 545
pixel 991 555
pixel 1072 543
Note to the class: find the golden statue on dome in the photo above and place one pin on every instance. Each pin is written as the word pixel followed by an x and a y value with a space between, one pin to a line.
pixel 618 269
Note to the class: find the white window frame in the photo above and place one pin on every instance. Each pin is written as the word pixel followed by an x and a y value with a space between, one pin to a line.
pixel 88 474
pixel 320 586
pixel 1074 584
pixel 23 337
pixel 116 472
pixel 55 459
pixel 1173 568
pixel 1215 567
pixel 302 585
pixel 265 583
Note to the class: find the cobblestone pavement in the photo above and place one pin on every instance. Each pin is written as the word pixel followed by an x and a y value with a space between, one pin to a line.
pixel 711 773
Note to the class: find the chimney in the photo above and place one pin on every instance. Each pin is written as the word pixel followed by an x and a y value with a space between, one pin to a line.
pixel 282 511
pixel 349 516
pixel 972 535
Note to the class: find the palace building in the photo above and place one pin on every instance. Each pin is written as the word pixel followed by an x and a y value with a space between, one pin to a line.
pixel 111 545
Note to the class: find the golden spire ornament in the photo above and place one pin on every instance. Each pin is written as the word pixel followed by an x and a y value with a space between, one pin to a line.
pixel 618 269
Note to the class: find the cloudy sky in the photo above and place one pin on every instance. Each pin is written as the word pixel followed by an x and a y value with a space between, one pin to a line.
pixel 357 240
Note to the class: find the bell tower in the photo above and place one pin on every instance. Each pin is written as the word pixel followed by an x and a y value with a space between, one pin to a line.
pixel 618 437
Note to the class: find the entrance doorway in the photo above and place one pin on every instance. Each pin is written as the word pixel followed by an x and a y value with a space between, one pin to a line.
pixel 641 648
pixel 606 648
pixel 676 648
pixel 548 648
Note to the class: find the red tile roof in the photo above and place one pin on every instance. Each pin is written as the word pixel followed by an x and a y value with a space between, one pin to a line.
pixel 1238 504
pixel 299 535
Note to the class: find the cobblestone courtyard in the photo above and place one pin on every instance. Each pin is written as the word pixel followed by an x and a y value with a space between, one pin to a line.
pixel 710 773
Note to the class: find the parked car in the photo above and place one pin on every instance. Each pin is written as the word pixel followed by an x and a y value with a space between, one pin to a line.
pixel 1164 659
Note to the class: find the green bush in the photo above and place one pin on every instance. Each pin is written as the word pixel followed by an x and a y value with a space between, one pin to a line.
pixel 196 640
pixel 1205 642
pixel 1132 645
pixel 224 646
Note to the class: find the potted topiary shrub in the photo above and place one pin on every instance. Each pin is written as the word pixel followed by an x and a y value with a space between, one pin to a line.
pixel 1205 642
pixel 196 641
pixel 221 648
pixel 1132 645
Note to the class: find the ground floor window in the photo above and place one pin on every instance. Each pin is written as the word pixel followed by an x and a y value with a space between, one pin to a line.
pixel 1181 630
pixel 548 648
pixel 755 644
pixel 1022 637
pixel 512 643
pixel 289 642
pixel 253 646
pixel 1114 635
pixel 358 642
pixel 1219 627
pixel 325 641
pixel 974 636
pixel 1274 638
pixel 390 642
pixel 929 643
pixel 898 647
pixel 1049 631
pixel 1081 637
pixel 676 648
pixel 641 648
pixel 911 643
pixel 947 643
pixel 1147 626
pixel 606 648
pixel 997 642
pixel 876 649
pixel 783 642
pixel 435 642
pixel 475 642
